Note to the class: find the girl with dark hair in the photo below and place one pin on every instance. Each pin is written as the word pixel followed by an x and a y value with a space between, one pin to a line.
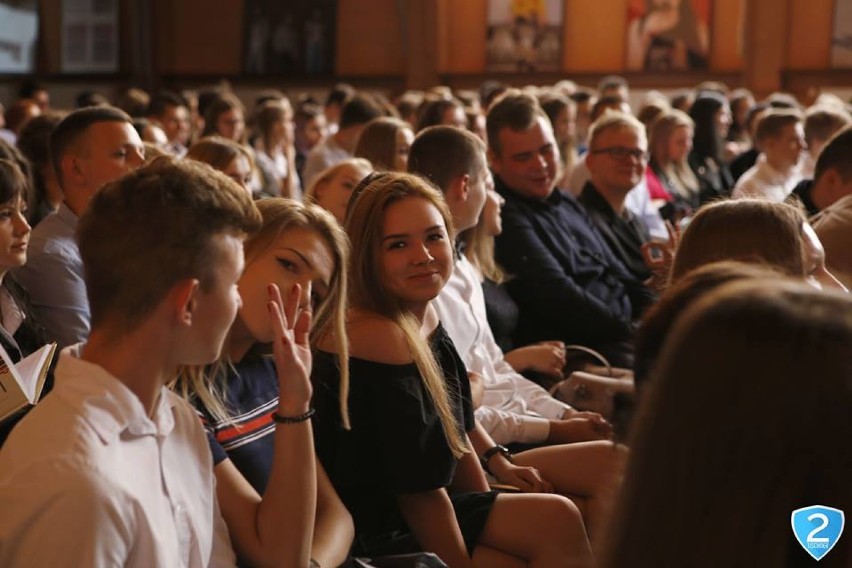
pixel 20 334
pixel 275 148
pixel 225 117
pixel 385 142
pixel 712 119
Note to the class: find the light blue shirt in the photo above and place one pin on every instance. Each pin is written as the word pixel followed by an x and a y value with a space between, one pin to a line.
pixel 53 278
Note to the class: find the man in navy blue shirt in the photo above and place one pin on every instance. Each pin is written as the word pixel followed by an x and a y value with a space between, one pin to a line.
pixel 567 282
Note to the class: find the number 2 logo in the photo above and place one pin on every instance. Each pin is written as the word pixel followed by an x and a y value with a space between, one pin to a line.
pixel 817 528
pixel 824 519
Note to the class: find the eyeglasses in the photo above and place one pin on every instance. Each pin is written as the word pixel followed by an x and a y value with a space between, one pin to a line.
pixel 622 153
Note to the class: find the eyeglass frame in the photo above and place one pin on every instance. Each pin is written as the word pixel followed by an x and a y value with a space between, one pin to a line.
pixel 622 153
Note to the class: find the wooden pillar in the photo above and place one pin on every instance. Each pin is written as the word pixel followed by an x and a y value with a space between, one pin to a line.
pixel 766 37
pixel 138 38
pixel 421 21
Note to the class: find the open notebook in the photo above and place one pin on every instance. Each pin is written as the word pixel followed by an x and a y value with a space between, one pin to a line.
pixel 21 382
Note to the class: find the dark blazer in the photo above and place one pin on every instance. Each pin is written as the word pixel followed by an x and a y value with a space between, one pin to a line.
pixel 624 234
pixel 567 282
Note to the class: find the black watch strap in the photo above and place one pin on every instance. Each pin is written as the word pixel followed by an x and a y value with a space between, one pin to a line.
pixel 491 452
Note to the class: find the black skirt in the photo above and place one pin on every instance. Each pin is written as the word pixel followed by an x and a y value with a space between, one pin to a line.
pixel 471 509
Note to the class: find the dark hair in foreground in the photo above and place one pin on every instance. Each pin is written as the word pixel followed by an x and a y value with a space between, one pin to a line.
pixel 749 230
pixel 746 421
pixel 659 319
pixel 147 231
pixel 836 154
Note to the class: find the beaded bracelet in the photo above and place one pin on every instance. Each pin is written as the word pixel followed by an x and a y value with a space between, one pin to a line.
pixel 278 419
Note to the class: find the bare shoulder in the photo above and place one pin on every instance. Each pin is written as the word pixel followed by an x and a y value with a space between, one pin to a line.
pixel 377 338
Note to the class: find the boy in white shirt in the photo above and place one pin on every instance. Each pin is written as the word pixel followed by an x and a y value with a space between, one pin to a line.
pixel 781 139
pixel 111 468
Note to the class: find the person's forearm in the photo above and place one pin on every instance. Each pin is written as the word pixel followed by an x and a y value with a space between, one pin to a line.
pixel 480 440
pixel 510 427
pixel 291 181
pixel 285 516
pixel 517 359
pixel 469 475
pixel 333 528
pixel 333 534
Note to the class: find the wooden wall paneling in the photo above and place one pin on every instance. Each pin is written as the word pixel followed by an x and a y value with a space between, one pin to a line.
pixel 370 38
pixel 422 43
pixel 50 26
pixel 727 33
pixel 811 29
pixel 594 38
pixel 766 37
pixel 205 44
pixel 163 34
pixel 466 28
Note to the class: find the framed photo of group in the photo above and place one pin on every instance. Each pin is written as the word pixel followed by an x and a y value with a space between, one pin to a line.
pixel 524 36
pixel 668 35
pixel 289 37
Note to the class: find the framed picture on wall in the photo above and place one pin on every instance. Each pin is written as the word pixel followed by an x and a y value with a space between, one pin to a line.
pixel 18 36
pixel 524 35
pixel 668 35
pixel 841 39
pixel 289 37
pixel 89 36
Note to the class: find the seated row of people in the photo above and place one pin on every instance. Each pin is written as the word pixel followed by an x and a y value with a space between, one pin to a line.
pixel 134 345
pixel 465 194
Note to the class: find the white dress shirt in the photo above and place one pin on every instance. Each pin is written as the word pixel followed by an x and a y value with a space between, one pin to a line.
pixel 88 479
pixel 514 409
pixel 762 181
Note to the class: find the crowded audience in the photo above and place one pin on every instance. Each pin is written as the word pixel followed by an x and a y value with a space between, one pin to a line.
pixel 509 327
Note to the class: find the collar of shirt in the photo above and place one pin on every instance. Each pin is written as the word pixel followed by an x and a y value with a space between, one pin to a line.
pixel 842 208
pixel 113 408
pixel 591 198
pixel 509 194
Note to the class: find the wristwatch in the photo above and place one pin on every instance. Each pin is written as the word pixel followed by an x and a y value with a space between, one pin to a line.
pixel 491 452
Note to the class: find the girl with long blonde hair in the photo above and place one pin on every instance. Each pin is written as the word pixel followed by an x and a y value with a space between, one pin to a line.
pixel 403 464
pixel 277 502
pixel 671 182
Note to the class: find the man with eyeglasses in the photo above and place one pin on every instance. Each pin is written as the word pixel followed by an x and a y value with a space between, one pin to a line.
pixel 616 160
pixel 568 283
